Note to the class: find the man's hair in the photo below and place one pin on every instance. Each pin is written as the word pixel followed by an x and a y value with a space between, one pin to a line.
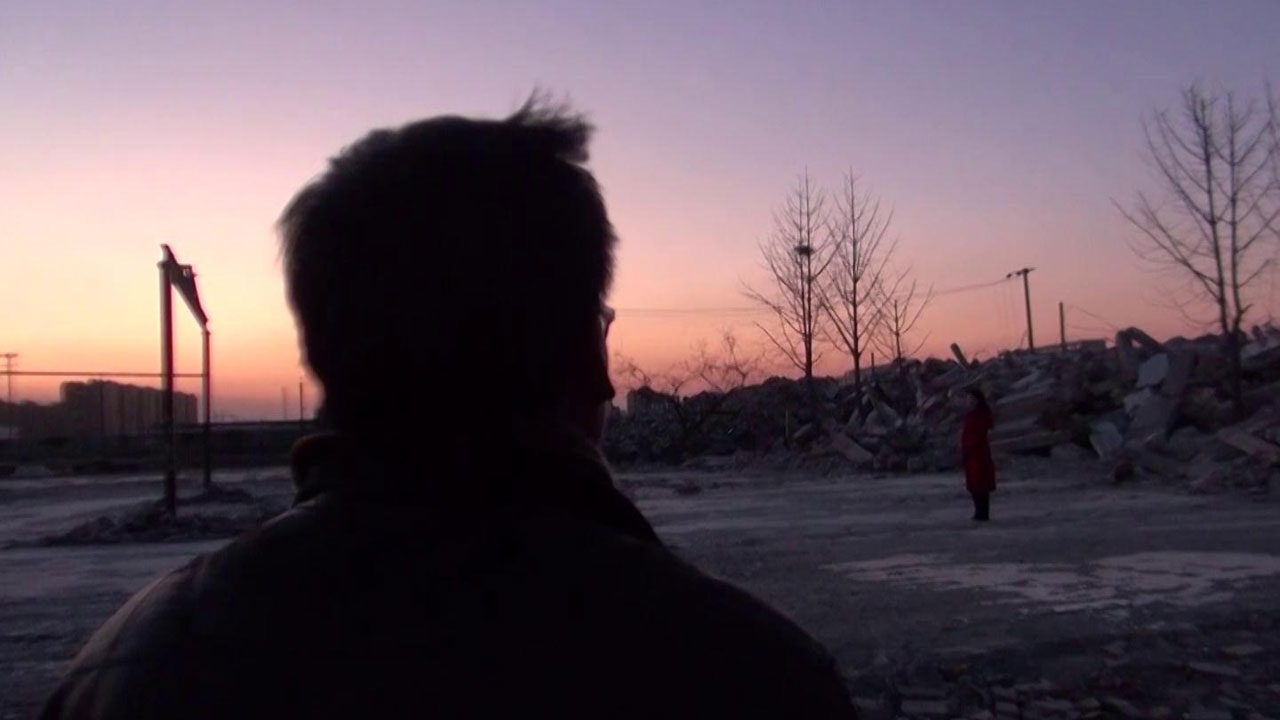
pixel 450 267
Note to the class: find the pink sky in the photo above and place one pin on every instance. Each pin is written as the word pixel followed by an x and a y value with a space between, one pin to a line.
pixel 1000 132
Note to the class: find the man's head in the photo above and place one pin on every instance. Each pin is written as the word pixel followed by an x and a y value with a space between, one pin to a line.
pixel 455 270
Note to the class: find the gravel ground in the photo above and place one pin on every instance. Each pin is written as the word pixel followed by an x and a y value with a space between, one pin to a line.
pixel 1079 600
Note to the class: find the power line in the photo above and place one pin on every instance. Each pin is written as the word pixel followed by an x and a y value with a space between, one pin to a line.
pixel 757 310
pixel 1095 316
pixel 967 288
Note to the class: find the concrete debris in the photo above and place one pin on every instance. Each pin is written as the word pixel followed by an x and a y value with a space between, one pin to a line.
pixel 1069 452
pixel 805 433
pixel 1106 440
pixel 926 708
pixel 923 692
pixel 1124 708
pixel 1145 408
pixel 1242 651
pixel 1154 418
pixel 1154 371
pixel 1155 462
pixel 1248 440
pixel 1200 712
pixel 1133 402
pixel 1214 669
pixel 1179 374
pixel 850 450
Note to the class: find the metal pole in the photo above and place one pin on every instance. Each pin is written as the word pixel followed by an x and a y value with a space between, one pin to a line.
pixel 11 415
pixel 302 406
pixel 1062 325
pixel 166 370
pixel 1026 289
pixel 208 417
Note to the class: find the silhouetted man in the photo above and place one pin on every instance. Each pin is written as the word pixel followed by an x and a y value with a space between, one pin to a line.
pixel 457 547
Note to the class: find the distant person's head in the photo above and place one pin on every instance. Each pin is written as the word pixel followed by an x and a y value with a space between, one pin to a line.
pixel 978 400
pixel 452 273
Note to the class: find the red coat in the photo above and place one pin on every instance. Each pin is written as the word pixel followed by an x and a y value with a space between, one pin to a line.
pixel 975 451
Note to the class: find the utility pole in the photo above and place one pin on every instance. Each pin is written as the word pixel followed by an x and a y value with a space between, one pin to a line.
pixel 207 431
pixel 302 404
pixel 166 370
pixel 10 415
pixel 1062 325
pixel 284 403
pixel 1026 288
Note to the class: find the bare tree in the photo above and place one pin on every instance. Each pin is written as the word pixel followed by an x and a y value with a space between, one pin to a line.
pixel 1214 161
pixel 797 254
pixel 902 305
pixel 714 374
pixel 854 293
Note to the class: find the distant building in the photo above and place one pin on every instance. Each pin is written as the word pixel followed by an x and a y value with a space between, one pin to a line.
pixel 91 411
pixel 101 408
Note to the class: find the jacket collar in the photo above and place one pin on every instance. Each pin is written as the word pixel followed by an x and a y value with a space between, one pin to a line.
pixel 562 473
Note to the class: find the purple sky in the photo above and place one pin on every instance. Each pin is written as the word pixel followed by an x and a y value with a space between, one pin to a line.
pixel 1000 131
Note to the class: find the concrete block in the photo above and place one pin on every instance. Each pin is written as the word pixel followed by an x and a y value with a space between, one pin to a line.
pixel 1106 440
pixel 1029 402
pixel 1154 371
pixel 850 450
pixel 1181 366
pixel 1036 440
pixel 1154 418
pixel 1134 401
pixel 1250 444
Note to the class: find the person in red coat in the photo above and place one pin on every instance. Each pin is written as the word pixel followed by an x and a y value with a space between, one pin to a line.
pixel 975 452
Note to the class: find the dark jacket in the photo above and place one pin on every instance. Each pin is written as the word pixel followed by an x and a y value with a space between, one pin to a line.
pixel 529 589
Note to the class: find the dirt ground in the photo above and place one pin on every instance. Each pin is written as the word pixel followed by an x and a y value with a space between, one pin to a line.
pixel 1080 599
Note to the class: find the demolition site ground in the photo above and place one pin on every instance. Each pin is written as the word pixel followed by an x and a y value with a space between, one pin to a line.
pixel 1081 599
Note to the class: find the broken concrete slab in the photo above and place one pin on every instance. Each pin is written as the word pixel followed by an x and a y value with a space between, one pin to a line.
pixel 1069 452
pixel 1154 371
pixel 1140 337
pixel 923 692
pixel 1206 411
pixel 1106 440
pixel 805 433
pixel 887 415
pixel 1200 712
pixel 1243 651
pixel 871 708
pixel 1214 669
pixel 1181 367
pixel 1186 443
pixel 1007 709
pixel 1124 708
pixel 1038 439
pixel 1034 379
pixel 1154 418
pixel 1134 401
pixel 926 708
pixel 1245 441
pixel 1033 401
pixel 1128 359
pixel 1154 462
pixel 850 450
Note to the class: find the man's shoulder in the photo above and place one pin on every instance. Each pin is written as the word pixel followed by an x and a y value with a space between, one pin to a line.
pixel 709 630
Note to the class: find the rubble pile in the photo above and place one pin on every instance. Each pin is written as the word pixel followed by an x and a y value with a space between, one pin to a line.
pixel 1137 405
pixel 149 522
